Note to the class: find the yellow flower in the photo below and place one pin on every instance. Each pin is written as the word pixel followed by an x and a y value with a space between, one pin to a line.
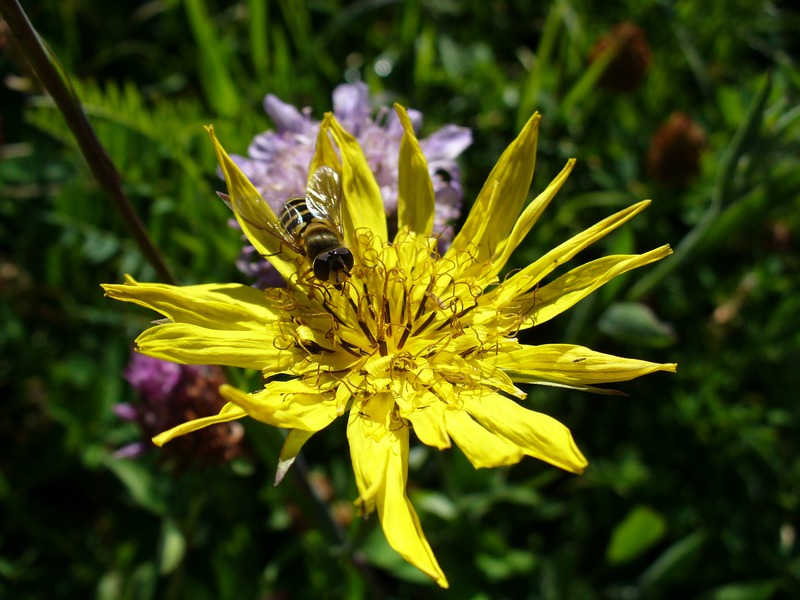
pixel 411 340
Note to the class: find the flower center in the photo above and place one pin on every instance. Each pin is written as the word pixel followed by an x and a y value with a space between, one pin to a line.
pixel 402 319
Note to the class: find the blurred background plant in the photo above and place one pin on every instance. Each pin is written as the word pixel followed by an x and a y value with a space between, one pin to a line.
pixel 693 487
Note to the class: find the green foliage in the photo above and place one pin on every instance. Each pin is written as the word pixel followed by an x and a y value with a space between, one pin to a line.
pixel 638 532
pixel 692 489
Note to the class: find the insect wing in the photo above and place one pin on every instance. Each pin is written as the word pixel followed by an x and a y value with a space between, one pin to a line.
pixel 255 212
pixel 324 195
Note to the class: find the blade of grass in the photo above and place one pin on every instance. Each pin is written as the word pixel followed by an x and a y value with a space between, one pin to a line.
pixel 55 81
pixel 282 64
pixel 584 86
pixel 259 52
pixel 533 84
pixel 425 56
pixel 748 128
pixel 304 39
pixel 215 78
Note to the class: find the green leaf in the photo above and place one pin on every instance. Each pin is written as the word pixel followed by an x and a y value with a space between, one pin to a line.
pixel 755 590
pixel 99 246
pixel 636 323
pixel 673 560
pixel 173 547
pixel 512 563
pixel 142 584
pixel 637 533
pixel 140 483
pixel 436 504
pixel 380 554
pixel 110 586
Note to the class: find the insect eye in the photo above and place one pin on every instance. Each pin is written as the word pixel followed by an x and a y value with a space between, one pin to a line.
pixel 322 267
pixel 333 263
pixel 346 257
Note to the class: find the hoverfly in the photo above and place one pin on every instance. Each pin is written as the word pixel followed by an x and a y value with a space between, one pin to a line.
pixel 312 227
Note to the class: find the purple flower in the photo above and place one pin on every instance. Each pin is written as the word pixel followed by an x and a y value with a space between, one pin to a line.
pixel 170 393
pixel 277 161
pixel 153 379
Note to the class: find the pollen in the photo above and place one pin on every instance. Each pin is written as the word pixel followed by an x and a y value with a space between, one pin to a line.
pixel 400 320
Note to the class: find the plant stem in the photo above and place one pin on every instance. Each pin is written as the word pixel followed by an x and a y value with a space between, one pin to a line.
pixel 56 83
pixel 335 531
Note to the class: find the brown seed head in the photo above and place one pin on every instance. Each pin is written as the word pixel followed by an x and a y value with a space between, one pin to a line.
pixel 628 68
pixel 674 155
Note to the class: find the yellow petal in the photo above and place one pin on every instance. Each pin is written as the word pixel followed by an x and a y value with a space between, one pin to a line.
pixel 482 448
pixel 565 364
pixel 559 295
pixel 324 152
pixel 428 422
pixel 528 277
pixel 309 412
pixel 566 251
pixel 380 462
pixel 229 412
pixel 369 445
pixel 538 435
pixel 499 203
pixel 194 345
pixel 362 207
pixel 254 215
pixel 415 197
pixel 400 521
pixel 499 380
pixel 215 306
pixel 292 445
pixel 528 218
